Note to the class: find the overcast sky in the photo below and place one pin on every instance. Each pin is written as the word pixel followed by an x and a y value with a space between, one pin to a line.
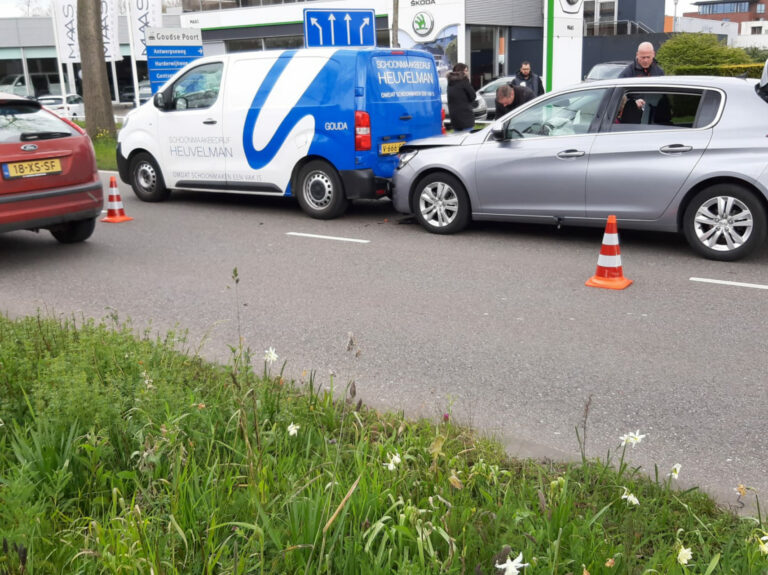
pixel 10 8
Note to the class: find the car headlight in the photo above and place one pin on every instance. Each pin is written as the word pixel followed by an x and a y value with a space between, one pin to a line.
pixel 406 157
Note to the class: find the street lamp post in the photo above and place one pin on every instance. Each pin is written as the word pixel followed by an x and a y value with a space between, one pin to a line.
pixel 674 19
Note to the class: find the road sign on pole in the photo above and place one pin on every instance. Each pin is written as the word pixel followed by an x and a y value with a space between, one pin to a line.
pixel 328 28
pixel 169 50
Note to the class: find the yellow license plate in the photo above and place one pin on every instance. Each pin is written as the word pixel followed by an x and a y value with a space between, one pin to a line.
pixel 391 147
pixel 33 168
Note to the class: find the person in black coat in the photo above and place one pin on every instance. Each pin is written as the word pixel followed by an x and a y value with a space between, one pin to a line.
pixel 528 79
pixel 645 65
pixel 461 97
pixel 510 97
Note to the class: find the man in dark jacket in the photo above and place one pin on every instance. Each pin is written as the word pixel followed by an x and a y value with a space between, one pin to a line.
pixel 510 97
pixel 644 65
pixel 461 97
pixel 528 79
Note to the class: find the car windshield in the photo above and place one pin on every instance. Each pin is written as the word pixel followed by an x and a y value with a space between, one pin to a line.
pixel 25 121
pixel 605 71
pixel 48 101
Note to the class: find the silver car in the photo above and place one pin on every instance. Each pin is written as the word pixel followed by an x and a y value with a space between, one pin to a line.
pixel 675 154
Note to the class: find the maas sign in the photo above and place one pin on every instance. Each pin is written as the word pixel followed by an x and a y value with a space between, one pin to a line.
pixel 328 28
pixel 169 50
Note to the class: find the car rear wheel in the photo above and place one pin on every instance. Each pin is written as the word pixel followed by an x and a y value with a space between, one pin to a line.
pixel 147 179
pixel 724 222
pixel 320 192
pixel 73 232
pixel 441 204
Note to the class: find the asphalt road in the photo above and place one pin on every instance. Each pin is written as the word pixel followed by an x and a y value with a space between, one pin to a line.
pixel 494 325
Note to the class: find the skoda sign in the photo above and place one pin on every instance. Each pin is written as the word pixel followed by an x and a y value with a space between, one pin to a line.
pixel 423 23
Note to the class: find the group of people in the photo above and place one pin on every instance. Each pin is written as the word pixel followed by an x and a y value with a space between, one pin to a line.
pixel 525 86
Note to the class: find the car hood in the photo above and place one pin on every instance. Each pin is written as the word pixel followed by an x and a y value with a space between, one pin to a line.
pixel 452 139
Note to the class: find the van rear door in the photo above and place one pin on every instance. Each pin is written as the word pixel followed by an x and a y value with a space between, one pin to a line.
pixel 403 98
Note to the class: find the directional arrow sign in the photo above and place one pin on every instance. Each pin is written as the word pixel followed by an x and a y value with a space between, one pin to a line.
pixel 338 28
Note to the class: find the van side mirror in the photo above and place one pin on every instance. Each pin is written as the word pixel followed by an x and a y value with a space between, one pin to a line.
pixel 159 101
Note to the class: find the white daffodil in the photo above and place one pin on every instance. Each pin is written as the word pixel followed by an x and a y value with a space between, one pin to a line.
pixel 270 356
pixel 512 566
pixel 631 438
pixel 684 555
pixel 394 461
pixel 675 471
pixel 763 545
pixel 630 498
pixel 293 429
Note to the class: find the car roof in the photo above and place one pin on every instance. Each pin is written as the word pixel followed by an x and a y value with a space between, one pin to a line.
pixel 699 81
pixel 6 96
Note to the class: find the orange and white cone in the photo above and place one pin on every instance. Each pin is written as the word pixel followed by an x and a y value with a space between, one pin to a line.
pixel 115 211
pixel 609 273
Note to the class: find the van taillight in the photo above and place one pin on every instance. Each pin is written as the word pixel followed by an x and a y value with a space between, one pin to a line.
pixel 362 131
pixel 442 120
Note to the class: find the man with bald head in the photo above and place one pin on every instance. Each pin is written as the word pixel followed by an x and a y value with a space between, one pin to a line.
pixel 644 65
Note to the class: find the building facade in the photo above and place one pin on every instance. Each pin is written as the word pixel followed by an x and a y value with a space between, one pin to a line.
pixel 739 12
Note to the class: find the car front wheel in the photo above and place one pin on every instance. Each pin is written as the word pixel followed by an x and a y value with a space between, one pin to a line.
pixel 724 222
pixel 441 204
pixel 73 232
pixel 147 179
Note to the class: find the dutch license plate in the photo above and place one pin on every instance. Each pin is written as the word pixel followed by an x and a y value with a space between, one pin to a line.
pixel 391 147
pixel 33 168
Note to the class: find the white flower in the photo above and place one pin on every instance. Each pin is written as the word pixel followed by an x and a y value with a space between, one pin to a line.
pixel 293 429
pixel 684 555
pixel 270 356
pixel 631 438
pixel 630 497
pixel 762 544
pixel 394 461
pixel 675 471
pixel 512 567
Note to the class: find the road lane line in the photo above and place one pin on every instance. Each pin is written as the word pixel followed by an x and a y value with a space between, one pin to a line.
pixel 727 283
pixel 338 239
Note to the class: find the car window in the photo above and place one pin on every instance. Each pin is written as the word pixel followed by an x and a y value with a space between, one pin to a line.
pixel 641 110
pixel 606 71
pixel 561 115
pixel 20 120
pixel 198 88
pixel 49 101
pixel 74 100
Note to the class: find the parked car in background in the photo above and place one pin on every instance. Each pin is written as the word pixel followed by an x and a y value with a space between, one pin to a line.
pixel 70 106
pixel 48 172
pixel 488 92
pixel 691 158
pixel 480 109
pixel 145 92
pixel 42 83
pixel 606 70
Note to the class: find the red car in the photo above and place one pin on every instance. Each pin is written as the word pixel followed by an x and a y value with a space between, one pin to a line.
pixel 49 176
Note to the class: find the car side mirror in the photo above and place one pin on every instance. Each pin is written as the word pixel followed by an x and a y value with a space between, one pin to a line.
pixel 159 100
pixel 498 132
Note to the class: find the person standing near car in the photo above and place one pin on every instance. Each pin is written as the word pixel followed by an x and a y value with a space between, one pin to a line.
pixel 528 79
pixel 510 97
pixel 461 97
pixel 645 65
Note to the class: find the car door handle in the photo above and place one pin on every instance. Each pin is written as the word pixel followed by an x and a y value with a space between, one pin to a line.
pixel 571 154
pixel 675 149
pixel 209 121
pixel 406 117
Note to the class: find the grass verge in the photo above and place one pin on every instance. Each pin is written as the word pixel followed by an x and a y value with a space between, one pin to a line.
pixel 126 453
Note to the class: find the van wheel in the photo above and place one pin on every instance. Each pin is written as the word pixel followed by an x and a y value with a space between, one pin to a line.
pixel 724 222
pixel 320 192
pixel 441 204
pixel 73 232
pixel 147 179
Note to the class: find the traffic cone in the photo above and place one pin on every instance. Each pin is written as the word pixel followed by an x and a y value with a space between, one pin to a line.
pixel 609 273
pixel 115 211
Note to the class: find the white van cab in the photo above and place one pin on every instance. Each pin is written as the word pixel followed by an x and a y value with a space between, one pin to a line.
pixel 324 125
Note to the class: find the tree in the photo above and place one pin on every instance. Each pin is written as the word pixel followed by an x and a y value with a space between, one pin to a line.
pixel 757 54
pixel 697 49
pixel 99 119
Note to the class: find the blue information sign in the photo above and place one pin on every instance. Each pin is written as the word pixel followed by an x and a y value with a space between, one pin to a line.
pixel 328 28
pixel 168 51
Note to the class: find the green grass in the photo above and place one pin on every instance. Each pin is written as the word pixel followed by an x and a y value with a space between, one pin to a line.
pixel 106 158
pixel 128 453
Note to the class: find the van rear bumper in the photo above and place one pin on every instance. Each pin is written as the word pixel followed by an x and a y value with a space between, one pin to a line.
pixel 363 185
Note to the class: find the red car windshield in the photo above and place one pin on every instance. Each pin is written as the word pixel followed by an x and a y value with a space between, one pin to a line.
pixel 22 121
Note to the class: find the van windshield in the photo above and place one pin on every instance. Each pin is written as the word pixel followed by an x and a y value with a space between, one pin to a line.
pixel 404 77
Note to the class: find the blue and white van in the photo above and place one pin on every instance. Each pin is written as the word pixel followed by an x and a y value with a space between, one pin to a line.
pixel 324 125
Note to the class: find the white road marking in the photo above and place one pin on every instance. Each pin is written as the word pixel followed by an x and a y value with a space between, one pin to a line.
pixel 727 283
pixel 328 238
